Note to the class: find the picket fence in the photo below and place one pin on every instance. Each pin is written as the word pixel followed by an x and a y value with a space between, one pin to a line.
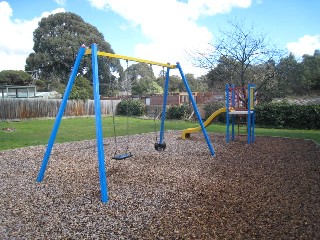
pixel 15 108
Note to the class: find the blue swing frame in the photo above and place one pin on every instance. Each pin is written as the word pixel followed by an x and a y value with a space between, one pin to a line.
pixel 99 137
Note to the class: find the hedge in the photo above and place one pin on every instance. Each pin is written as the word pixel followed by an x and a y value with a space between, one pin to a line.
pixel 130 107
pixel 288 116
pixel 181 112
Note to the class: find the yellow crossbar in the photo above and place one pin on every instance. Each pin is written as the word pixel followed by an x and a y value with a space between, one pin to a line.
pixel 112 55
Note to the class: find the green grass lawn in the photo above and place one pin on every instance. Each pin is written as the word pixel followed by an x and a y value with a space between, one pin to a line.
pixel 37 132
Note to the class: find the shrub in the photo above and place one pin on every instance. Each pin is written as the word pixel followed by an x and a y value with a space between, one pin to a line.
pixel 211 107
pixel 81 89
pixel 288 116
pixel 130 107
pixel 178 112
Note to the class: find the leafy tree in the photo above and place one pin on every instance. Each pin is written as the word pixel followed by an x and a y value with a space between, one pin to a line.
pixel 41 85
pixel 289 76
pixel 14 77
pixel 146 86
pixel 195 84
pixel 139 70
pixel 242 55
pixel 192 82
pixel 53 84
pixel 176 84
pixel 221 74
pixel 81 89
pixel 141 78
pixel 156 88
pixel 56 43
pixel 265 78
pixel 311 70
pixel 200 84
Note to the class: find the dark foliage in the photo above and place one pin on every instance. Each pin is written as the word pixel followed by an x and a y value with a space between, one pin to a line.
pixel 211 107
pixel 179 112
pixel 288 116
pixel 130 107
pixel 56 43
pixel 14 77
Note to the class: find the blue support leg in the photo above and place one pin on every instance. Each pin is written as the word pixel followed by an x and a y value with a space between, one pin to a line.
pixel 249 128
pixel 227 114
pixel 253 126
pixel 233 123
pixel 227 127
pixel 97 110
pixel 196 109
pixel 60 114
pixel 249 116
pixel 233 100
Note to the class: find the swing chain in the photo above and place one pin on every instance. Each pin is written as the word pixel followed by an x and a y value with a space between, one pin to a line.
pixel 112 107
pixel 127 153
pixel 155 125
pixel 159 146
pixel 127 110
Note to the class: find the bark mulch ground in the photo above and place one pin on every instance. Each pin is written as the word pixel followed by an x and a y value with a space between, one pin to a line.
pixel 267 190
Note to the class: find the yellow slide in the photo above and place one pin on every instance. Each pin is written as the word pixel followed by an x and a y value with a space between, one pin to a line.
pixel 186 132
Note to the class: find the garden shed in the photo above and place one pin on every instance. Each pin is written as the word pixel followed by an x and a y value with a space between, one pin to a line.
pixel 11 91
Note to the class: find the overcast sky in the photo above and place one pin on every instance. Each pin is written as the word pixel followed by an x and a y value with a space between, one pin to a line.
pixel 162 30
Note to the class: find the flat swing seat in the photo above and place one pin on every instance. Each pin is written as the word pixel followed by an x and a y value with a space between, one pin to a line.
pixel 122 156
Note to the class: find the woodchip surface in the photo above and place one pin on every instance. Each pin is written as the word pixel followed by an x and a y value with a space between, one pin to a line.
pixel 267 190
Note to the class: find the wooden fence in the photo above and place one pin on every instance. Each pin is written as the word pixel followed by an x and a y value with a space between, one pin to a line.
pixel 11 108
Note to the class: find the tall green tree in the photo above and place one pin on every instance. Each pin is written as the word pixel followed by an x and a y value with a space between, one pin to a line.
pixel 56 43
pixel 221 74
pixel 141 79
pixel 176 84
pixel 311 70
pixel 289 77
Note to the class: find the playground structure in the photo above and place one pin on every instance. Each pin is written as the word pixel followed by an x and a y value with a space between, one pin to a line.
pixel 161 145
pixel 239 101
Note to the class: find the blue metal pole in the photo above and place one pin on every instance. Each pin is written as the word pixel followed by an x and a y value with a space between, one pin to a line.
pixel 195 109
pixel 164 105
pixel 234 106
pixel 97 110
pixel 253 125
pixel 249 115
pixel 227 115
pixel 253 114
pixel 60 113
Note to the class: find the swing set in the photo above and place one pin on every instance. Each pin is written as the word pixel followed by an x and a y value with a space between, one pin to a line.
pixel 159 145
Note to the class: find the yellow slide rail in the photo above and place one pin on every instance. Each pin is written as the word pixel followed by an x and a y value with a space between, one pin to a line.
pixel 186 132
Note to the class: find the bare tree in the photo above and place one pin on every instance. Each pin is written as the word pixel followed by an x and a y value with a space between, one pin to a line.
pixel 241 55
